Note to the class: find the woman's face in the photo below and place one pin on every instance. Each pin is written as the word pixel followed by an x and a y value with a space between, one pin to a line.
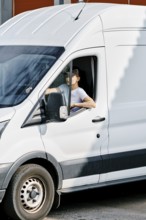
pixel 74 80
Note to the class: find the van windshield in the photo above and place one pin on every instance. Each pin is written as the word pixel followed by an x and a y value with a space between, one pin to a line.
pixel 22 68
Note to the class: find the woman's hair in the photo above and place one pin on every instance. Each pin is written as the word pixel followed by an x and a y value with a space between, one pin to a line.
pixel 75 72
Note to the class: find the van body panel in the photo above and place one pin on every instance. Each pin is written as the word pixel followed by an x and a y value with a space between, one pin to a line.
pixel 126 101
pixel 6 114
pixel 10 169
pixel 15 137
pixel 31 26
pixel 125 17
pixel 90 35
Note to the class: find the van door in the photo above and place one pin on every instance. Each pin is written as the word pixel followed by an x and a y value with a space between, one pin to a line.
pixel 78 142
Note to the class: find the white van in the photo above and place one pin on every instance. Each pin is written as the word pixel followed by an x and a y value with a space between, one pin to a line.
pixel 44 149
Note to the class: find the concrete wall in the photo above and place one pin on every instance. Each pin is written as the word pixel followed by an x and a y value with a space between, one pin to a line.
pixel 5 10
pixel 57 2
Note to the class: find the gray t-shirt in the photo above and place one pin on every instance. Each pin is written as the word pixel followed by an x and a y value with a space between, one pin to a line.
pixel 77 95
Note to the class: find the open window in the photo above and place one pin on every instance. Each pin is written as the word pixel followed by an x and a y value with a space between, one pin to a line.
pixel 54 107
pixel 88 73
pixel 63 84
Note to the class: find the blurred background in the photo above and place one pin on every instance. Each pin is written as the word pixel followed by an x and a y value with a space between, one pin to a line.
pixel 10 8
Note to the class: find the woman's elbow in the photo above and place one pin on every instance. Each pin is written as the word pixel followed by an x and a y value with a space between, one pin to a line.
pixel 94 105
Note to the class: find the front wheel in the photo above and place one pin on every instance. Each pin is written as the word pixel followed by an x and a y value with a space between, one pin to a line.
pixel 30 194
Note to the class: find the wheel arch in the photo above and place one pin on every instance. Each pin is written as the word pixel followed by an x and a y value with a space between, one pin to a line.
pixel 41 158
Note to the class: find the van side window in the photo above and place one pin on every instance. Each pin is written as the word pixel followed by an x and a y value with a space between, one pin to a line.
pixel 76 83
pixel 88 74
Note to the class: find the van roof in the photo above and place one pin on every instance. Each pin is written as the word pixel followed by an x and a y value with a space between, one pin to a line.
pixel 57 25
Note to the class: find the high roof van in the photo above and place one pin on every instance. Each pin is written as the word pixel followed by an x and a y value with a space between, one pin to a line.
pixel 46 149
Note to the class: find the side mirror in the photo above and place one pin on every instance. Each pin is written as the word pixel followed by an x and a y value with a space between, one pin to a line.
pixel 56 109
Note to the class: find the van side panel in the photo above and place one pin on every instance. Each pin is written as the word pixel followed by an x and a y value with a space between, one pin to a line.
pixel 126 70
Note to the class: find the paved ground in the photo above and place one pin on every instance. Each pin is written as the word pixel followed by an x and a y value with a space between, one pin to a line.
pixel 125 202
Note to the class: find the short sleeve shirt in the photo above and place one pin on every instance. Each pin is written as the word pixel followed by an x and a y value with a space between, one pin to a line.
pixel 77 95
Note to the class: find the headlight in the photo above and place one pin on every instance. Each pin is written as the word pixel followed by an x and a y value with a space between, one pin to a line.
pixel 3 126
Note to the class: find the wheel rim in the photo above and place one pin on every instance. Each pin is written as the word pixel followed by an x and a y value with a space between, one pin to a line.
pixel 32 194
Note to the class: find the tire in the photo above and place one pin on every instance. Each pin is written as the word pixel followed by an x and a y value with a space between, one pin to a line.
pixel 30 194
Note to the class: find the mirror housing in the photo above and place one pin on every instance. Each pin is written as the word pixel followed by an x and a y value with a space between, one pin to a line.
pixel 56 109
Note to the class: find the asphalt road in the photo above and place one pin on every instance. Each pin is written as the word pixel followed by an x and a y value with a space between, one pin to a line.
pixel 122 202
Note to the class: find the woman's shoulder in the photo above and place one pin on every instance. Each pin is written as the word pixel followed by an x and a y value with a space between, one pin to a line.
pixel 81 90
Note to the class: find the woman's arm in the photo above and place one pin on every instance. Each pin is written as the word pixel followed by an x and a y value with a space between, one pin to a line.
pixel 50 90
pixel 88 102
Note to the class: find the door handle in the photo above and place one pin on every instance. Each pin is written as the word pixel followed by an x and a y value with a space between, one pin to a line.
pixel 98 119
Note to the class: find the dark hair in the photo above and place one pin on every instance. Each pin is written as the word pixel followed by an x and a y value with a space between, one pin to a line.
pixel 74 72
